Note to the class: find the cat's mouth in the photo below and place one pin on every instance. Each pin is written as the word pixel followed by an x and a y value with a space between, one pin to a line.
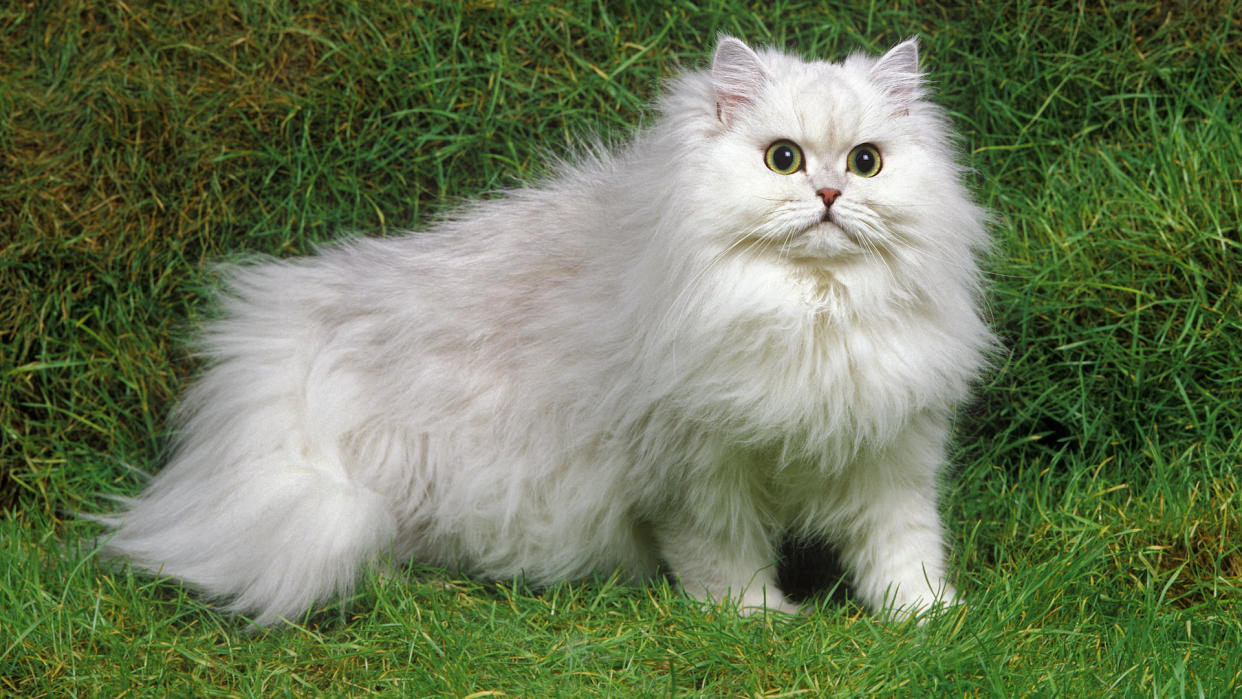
pixel 813 238
pixel 830 225
pixel 822 241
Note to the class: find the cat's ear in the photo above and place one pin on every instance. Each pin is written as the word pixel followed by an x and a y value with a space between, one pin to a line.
pixel 737 76
pixel 897 73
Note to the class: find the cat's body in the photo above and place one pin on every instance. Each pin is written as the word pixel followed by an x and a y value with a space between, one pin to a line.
pixel 666 357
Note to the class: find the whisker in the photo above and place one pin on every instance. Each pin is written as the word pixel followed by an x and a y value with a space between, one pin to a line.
pixel 681 303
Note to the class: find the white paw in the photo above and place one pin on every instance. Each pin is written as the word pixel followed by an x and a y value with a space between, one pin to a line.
pixel 766 600
pixel 921 602
pixel 754 600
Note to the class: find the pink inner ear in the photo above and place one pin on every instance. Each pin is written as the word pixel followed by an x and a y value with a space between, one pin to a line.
pixel 902 59
pixel 737 76
pixel 897 72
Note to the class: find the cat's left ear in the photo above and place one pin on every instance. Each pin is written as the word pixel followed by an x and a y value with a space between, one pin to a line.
pixel 737 76
pixel 897 73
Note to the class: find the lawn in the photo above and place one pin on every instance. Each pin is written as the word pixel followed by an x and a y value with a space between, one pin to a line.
pixel 1094 507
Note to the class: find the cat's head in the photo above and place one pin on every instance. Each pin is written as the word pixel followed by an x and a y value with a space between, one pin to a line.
pixel 823 163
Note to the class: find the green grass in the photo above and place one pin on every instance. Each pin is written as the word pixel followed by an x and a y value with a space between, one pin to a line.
pixel 1095 513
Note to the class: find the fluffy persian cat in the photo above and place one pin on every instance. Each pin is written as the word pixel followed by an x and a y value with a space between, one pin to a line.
pixel 755 320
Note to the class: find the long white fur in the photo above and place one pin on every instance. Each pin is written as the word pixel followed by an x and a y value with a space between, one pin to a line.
pixel 659 359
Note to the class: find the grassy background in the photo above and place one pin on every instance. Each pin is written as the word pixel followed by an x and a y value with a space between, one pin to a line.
pixel 1095 513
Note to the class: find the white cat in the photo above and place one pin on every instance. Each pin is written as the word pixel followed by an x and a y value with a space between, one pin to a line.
pixel 755 319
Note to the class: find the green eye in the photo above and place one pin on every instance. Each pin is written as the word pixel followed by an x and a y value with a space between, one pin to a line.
pixel 783 157
pixel 864 160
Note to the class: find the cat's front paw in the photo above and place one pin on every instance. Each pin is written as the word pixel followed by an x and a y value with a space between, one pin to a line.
pixel 755 600
pixel 923 604
pixel 766 600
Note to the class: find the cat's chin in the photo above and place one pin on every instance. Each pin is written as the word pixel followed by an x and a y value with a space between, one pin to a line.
pixel 826 241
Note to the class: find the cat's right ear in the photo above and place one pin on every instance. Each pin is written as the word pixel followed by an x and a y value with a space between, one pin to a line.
pixel 737 76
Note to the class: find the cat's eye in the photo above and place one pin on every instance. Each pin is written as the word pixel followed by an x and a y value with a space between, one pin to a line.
pixel 864 160
pixel 783 157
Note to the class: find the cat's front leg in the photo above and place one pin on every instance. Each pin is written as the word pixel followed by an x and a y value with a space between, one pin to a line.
pixel 894 542
pixel 735 569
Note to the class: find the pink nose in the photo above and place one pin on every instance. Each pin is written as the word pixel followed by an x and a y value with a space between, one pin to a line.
pixel 828 195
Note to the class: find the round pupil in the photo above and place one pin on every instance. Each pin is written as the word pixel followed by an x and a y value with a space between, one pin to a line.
pixel 783 157
pixel 864 160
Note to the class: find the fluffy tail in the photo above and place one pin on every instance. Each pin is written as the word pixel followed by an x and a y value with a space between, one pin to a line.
pixel 270 543
pixel 256 507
